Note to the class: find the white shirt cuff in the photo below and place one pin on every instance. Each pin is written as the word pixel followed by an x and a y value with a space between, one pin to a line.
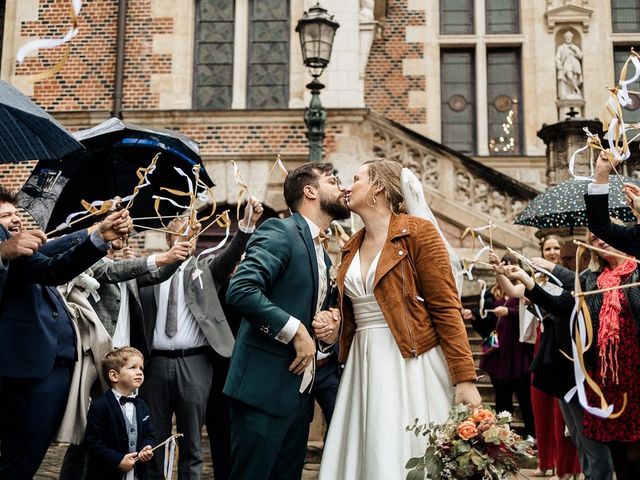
pixel 598 189
pixel 288 331
pixel 151 263
pixel 244 229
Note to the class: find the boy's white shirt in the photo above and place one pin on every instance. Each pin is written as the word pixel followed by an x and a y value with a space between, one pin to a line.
pixel 127 410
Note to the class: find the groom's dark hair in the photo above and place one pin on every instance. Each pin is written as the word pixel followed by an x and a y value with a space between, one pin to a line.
pixel 298 178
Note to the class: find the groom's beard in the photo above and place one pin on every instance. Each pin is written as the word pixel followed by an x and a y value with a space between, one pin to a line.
pixel 336 209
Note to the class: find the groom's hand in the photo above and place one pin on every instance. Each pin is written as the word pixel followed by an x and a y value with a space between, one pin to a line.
pixel 305 350
pixel 326 325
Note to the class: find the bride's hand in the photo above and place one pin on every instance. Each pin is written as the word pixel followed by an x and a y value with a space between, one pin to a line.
pixel 326 325
pixel 467 394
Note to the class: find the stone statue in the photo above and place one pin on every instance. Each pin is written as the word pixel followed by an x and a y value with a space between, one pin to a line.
pixel 569 69
pixel 366 11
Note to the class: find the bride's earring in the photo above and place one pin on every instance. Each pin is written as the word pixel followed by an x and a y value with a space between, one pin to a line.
pixel 373 199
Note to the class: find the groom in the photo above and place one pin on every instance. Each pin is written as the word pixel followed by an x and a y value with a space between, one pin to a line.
pixel 278 288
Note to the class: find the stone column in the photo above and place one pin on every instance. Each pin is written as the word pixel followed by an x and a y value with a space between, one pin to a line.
pixel 562 140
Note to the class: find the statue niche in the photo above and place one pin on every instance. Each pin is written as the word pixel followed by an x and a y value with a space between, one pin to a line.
pixel 569 68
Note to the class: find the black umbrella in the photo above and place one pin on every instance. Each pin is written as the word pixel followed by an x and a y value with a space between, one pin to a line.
pixel 563 205
pixel 108 167
pixel 27 132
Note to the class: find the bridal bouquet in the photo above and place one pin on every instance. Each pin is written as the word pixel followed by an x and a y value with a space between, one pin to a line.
pixel 471 443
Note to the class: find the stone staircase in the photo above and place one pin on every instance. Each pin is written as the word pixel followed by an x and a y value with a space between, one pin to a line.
pixel 484 383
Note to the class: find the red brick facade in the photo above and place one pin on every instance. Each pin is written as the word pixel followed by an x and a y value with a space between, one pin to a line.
pixel 386 88
pixel 86 82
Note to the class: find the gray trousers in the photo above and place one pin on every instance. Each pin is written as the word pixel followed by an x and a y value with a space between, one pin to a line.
pixel 595 457
pixel 181 386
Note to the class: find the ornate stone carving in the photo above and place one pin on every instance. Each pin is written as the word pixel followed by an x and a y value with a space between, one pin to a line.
pixel 469 189
pixel 480 195
pixel 424 164
pixel 576 12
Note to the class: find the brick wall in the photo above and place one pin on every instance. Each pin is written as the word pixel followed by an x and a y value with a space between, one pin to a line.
pixel 86 81
pixel 386 88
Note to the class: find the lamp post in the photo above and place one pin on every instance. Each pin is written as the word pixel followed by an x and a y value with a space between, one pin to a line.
pixel 316 29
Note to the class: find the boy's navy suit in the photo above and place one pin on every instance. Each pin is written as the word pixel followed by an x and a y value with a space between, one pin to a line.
pixel 106 437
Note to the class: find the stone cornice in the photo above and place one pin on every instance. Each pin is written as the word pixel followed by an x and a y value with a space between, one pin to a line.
pixel 86 119
pixel 568 14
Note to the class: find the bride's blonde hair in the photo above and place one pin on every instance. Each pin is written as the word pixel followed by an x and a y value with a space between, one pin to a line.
pixel 387 174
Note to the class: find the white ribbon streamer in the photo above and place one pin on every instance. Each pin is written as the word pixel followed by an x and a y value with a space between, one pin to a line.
pixel 467 270
pixel 623 93
pixel 197 272
pixel 169 457
pixel 184 207
pixel 45 43
pixel 483 292
pixel 576 315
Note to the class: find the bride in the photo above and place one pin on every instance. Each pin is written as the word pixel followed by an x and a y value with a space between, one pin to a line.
pixel 403 337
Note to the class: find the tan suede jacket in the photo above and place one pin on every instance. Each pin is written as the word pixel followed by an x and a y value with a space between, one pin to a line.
pixel 416 292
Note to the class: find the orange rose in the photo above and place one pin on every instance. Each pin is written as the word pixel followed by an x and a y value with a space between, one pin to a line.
pixel 481 415
pixel 467 430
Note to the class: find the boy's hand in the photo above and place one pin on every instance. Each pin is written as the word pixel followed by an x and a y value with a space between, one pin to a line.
pixel 145 454
pixel 128 462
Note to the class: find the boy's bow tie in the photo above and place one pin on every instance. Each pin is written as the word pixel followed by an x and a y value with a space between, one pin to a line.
pixel 124 400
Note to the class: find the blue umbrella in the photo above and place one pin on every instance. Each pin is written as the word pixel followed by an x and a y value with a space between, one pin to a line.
pixel 27 132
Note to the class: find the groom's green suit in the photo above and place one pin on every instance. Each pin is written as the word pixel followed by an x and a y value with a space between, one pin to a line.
pixel 270 418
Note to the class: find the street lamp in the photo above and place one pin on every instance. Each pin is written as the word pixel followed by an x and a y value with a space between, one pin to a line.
pixel 316 29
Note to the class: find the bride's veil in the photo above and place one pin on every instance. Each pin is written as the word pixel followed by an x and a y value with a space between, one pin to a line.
pixel 417 205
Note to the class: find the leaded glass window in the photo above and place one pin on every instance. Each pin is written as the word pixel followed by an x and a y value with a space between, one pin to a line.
pixel 504 104
pixel 625 16
pixel 458 100
pixel 620 56
pixel 503 16
pixel 269 35
pixel 213 76
pixel 456 17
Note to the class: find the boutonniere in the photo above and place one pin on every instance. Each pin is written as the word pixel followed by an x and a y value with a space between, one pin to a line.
pixel 333 274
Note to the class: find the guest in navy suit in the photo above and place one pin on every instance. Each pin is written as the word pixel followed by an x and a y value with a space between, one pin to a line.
pixel 37 344
pixel 13 242
pixel 119 431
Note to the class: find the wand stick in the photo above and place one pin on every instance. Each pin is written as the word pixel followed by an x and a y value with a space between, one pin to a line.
pixel 608 289
pixel 177 435
pixel 613 254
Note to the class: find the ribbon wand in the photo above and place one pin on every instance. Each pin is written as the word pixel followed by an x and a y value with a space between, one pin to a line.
pixel 174 437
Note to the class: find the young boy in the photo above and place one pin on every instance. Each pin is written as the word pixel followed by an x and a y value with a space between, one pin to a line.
pixel 119 431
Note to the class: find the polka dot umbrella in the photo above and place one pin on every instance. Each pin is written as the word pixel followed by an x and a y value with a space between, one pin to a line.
pixel 563 205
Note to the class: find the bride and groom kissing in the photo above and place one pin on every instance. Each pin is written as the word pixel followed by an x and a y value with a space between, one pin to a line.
pixel 401 333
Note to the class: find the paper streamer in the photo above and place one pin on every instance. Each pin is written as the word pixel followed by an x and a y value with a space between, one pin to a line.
pixel 581 329
pixel 170 454
pixel 49 43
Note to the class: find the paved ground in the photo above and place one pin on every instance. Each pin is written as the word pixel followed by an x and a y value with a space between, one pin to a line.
pixel 50 467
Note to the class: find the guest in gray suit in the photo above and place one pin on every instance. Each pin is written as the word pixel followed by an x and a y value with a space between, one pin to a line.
pixel 184 321
pixel 117 302
pixel 117 305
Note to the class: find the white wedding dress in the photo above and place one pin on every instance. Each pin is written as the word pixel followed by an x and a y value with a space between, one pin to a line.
pixel 380 394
